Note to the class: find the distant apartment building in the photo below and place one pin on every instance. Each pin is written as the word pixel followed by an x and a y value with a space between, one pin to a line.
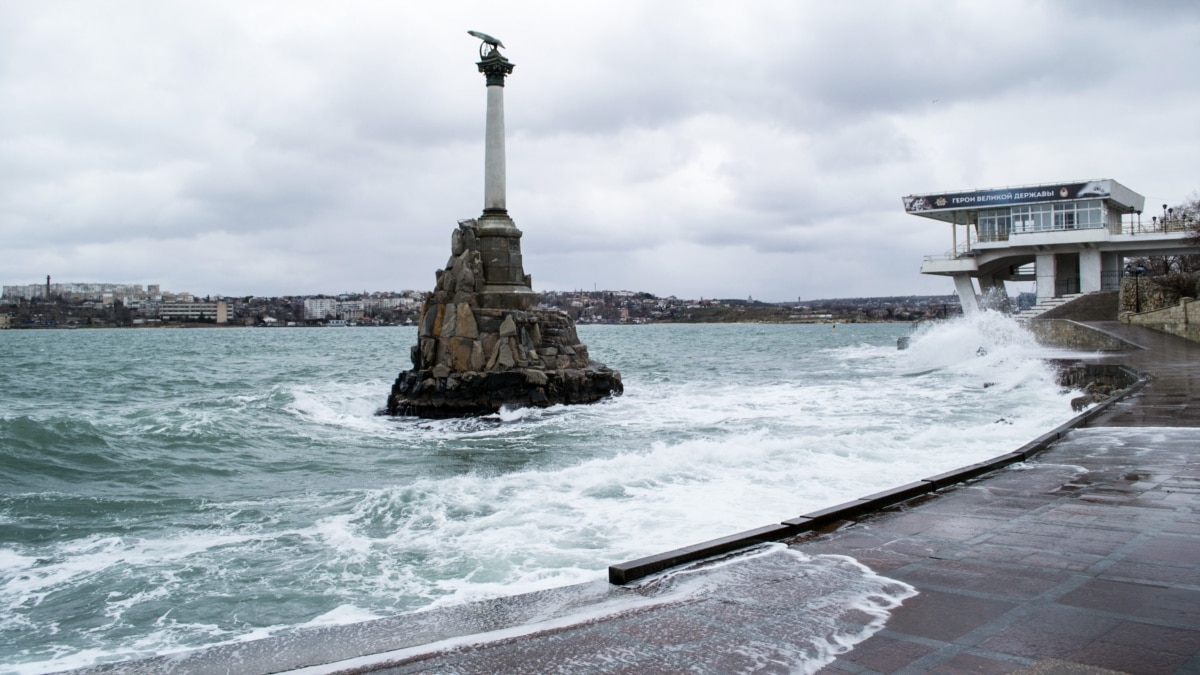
pixel 5 321
pixel 377 304
pixel 353 310
pixel 194 311
pixel 147 308
pixel 316 309
pixel 76 291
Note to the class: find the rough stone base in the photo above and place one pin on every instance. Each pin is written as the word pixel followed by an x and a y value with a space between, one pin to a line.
pixel 482 346
pixel 419 393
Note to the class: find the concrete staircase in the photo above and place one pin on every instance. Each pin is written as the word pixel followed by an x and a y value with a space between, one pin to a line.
pixel 1045 306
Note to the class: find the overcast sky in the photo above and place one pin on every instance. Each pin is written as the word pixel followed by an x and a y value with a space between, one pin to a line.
pixel 694 148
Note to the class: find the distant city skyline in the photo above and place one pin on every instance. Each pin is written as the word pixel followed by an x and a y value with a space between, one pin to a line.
pixel 714 149
pixel 74 290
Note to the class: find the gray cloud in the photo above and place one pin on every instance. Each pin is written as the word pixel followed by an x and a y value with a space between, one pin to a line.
pixel 694 148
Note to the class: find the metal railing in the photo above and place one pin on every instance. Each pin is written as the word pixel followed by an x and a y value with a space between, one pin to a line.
pixel 1063 227
pixel 1065 287
pixel 1158 226
pixel 964 248
pixel 1111 280
pixel 1155 226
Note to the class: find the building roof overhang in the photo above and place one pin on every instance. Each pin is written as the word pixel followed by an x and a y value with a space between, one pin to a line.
pixel 948 205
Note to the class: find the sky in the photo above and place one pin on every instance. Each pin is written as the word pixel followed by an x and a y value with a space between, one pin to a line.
pixel 693 148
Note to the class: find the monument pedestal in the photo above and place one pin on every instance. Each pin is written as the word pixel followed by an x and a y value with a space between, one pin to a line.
pixel 482 345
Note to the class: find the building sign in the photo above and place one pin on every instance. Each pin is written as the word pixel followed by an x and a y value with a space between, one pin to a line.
pixel 986 199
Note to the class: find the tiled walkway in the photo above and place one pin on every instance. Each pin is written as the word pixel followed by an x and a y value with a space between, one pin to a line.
pixel 1088 555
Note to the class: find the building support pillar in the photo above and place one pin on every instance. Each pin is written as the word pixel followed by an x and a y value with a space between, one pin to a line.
pixel 1046 268
pixel 1090 271
pixel 1110 271
pixel 966 294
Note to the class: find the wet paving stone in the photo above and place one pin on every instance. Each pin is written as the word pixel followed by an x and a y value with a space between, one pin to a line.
pixel 1134 659
pixel 939 615
pixel 1007 582
pixel 887 655
pixel 973 663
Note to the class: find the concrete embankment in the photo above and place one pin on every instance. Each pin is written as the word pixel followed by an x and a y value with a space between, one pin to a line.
pixel 1077 550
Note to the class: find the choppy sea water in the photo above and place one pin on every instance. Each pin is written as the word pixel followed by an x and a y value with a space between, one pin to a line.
pixel 168 489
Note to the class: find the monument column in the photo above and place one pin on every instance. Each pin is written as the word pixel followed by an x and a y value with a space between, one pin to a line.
pixel 506 285
pixel 495 68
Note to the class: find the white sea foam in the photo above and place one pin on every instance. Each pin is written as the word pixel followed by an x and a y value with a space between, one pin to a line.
pixel 843 603
pixel 341 615
pixel 351 406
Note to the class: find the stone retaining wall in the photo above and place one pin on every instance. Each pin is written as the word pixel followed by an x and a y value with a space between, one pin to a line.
pixel 1066 334
pixel 1182 319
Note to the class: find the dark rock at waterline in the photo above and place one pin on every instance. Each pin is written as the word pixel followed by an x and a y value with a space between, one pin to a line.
pixel 1098 381
pixel 419 393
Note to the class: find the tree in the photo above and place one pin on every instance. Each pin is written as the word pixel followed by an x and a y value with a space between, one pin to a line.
pixel 1178 276
pixel 1189 213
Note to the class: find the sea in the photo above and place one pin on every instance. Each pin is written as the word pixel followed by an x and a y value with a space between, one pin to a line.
pixel 168 489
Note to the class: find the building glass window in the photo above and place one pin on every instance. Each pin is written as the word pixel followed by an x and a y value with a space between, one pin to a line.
pixel 1064 216
pixel 1090 213
pixel 1067 216
pixel 1032 218
pixel 994 225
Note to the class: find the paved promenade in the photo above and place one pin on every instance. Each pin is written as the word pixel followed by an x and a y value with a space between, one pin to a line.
pixel 1090 556
pixel 1081 560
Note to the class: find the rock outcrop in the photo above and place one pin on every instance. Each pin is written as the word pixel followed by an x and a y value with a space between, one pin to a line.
pixel 482 345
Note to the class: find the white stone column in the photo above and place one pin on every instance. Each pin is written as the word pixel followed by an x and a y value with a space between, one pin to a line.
pixel 493 153
pixel 495 68
pixel 1090 269
pixel 1046 269
pixel 966 294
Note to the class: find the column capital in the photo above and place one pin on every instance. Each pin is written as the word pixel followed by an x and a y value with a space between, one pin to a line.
pixel 495 68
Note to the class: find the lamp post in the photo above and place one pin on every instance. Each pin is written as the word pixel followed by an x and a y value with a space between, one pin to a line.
pixel 1136 271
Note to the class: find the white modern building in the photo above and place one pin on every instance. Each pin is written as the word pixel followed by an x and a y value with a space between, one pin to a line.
pixel 218 311
pixel 1070 238
pixel 316 309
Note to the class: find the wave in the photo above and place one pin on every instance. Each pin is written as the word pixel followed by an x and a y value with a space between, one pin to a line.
pixel 826 605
